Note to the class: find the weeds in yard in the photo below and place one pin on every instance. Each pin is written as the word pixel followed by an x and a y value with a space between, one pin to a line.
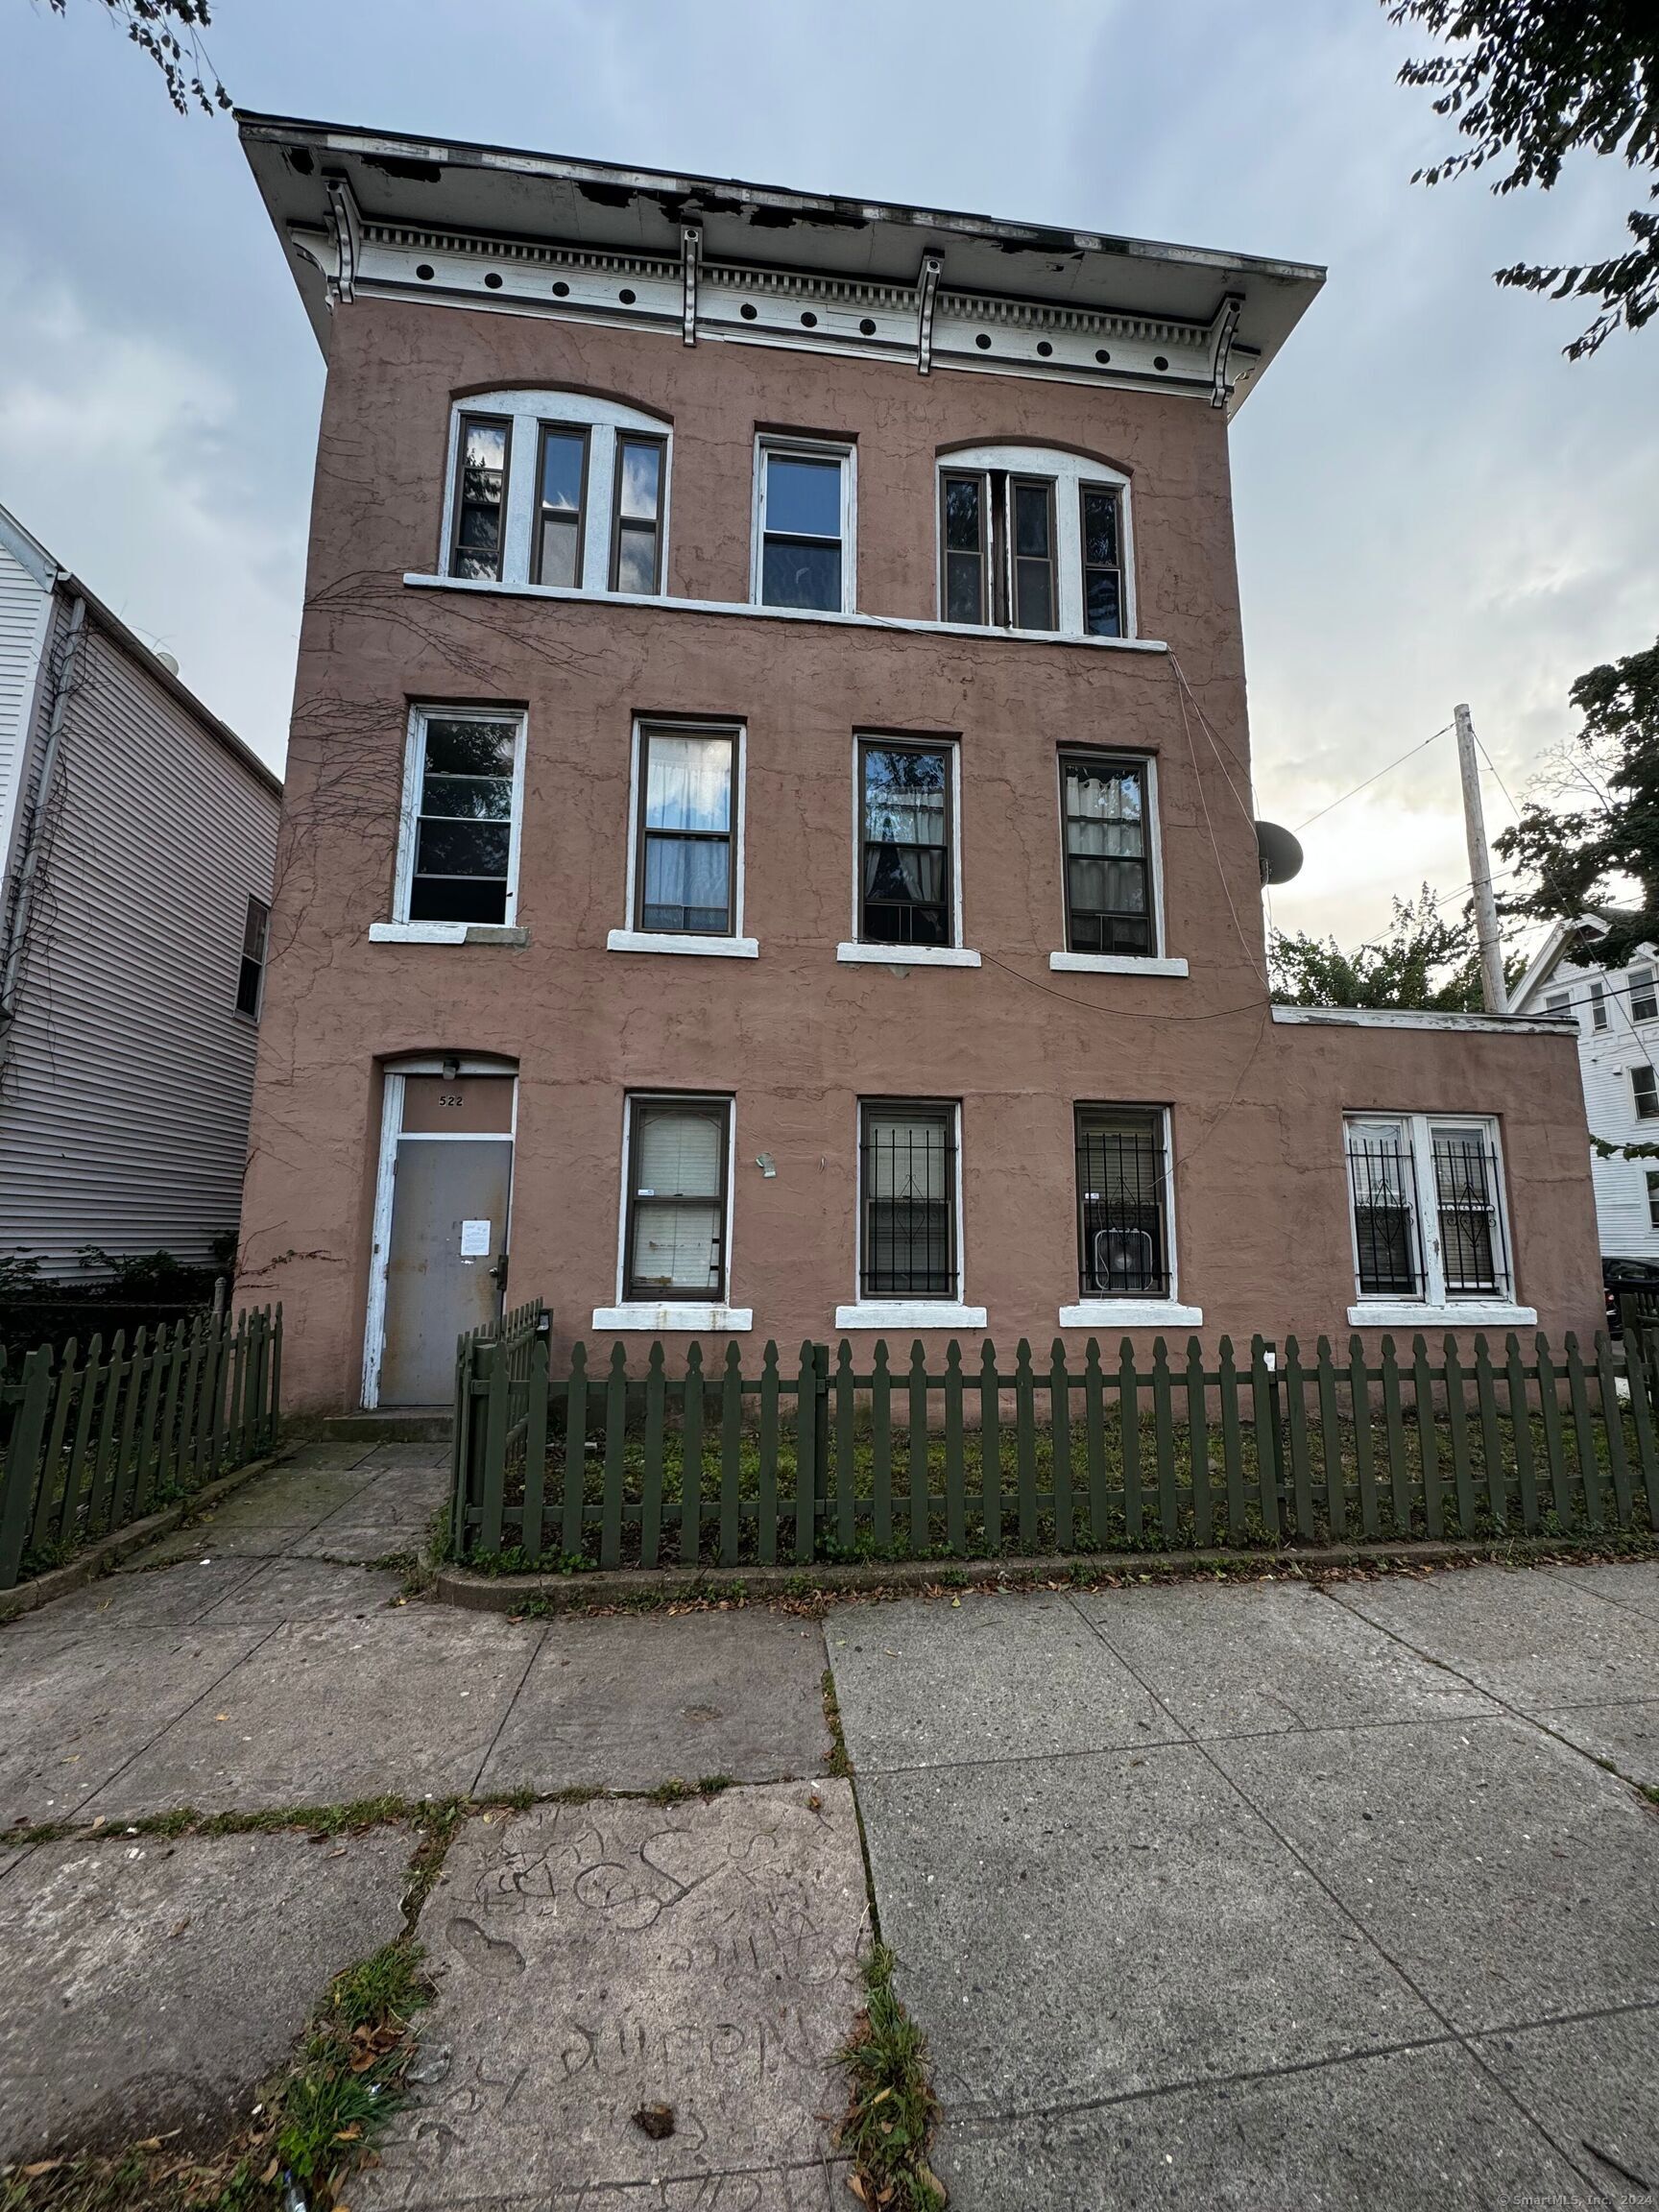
pixel 890 2108
pixel 836 1758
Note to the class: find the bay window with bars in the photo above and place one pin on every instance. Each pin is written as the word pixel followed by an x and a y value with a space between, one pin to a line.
pixel 480 500
pixel 686 865
pixel 906 886
pixel 1123 1202
pixel 908 1238
pixel 1427 1211
pixel 1107 820
pixel 674 1235
pixel 458 858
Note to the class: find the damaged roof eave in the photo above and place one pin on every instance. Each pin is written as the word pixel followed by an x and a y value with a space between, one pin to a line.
pixel 397 178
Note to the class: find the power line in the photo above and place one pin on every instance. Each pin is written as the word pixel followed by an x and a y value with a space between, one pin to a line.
pixel 1369 781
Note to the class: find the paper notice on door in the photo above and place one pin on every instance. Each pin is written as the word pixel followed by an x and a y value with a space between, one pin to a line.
pixel 474 1240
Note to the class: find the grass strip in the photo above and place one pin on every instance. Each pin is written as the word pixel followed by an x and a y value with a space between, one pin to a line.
pixel 891 2112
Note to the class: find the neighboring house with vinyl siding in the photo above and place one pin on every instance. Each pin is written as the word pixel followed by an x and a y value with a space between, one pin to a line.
pixel 138 840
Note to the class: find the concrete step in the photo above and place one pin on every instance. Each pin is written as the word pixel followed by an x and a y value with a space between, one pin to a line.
pixel 391 1424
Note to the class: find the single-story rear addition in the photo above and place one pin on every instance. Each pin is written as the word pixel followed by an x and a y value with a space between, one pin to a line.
pixel 768 850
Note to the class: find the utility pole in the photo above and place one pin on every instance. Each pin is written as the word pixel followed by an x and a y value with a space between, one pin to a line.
pixel 1493 989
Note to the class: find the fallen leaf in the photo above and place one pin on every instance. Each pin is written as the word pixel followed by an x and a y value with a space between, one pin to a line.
pixel 346 2135
pixel 879 2096
pixel 39 2167
pixel 857 2188
pixel 271 2173
pixel 178 1926
pixel 655 2120
pixel 221 1715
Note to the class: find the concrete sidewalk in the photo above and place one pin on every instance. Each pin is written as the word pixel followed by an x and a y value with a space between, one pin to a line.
pixel 1263 1896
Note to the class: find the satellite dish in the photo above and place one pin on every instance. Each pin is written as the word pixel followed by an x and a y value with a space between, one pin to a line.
pixel 168 663
pixel 1279 852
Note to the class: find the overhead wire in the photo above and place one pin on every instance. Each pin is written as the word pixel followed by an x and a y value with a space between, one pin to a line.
pixel 1370 779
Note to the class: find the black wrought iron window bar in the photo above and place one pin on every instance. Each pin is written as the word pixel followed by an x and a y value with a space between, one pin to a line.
pixel 1473 1257
pixel 908 1185
pixel 1383 1176
pixel 1122 1213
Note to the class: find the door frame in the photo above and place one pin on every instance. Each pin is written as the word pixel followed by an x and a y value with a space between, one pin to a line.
pixel 385 1178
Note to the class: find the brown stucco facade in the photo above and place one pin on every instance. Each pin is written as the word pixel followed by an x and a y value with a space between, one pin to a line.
pixel 796 1039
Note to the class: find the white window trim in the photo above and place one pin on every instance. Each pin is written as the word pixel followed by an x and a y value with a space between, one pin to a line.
pixel 952 1312
pixel 1069 474
pixel 868 954
pixel 1158 963
pixel 1643 1068
pixel 672 1315
pixel 526 412
pixel 809 449
pixel 1167 1312
pixel 1480 1310
pixel 409 815
pixel 733 945
pixel 447 933
pixel 385 1177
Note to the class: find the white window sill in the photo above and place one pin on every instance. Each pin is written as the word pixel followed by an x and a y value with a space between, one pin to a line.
pixel 1131 1313
pixel 675 1317
pixel 1112 964
pixel 900 622
pixel 906 956
pixel 1404 1313
pixel 663 940
pixel 909 1314
pixel 447 933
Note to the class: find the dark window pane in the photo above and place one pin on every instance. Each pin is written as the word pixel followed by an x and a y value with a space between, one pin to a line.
pixel 962 496
pixel 1103 612
pixel 248 978
pixel 638 487
pixel 1034 589
pixel 479 532
pixel 1100 529
pixel 964 601
pixel 468 798
pixel 457 898
pixel 461 748
pixel 563 454
pixel 1031 510
pixel 636 557
pixel 462 849
pixel 1383 1181
pixel 906 874
pixel 561 543
pixel 904 794
pixel 482 477
pixel 793 574
pixel 687 881
pixel 802 497
pixel 1121 1176
pixel 909 1179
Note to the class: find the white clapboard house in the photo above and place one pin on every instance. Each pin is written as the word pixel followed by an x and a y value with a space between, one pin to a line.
pixel 138 840
pixel 1617 1011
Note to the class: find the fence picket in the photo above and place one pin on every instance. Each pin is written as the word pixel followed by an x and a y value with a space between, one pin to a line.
pixel 807 1441
pixel 1025 1443
pixel 1331 1444
pixel 846 1449
pixel 1555 1444
pixel 1364 1460
pixel 1613 1422
pixel 1394 1430
pixel 1491 1436
pixel 1428 1443
pixel 1520 1432
pixel 882 1449
pixel 103 1466
pixel 1095 1443
pixel 1060 1437
pixel 575 1453
pixel 691 1460
pixel 1129 1431
pixel 52 1459
pixel 916 1448
pixel 651 1480
pixel 1198 1447
pixel 1641 1380
pixel 1589 1472
pixel 92 1377
pixel 1265 1404
pixel 766 1479
pixel 615 1446
pixel 730 1453
pixel 490 1501
pixel 23 1460
pixel 532 1529
pixel 991 1445
pixel 1296 1426
pixel 955 1473
pixel 124 1475
pixel 1232 1444
pixel 1164 1441
pixel 1457 1428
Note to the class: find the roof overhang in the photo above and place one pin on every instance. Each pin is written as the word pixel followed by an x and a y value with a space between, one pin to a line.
pixel 378 212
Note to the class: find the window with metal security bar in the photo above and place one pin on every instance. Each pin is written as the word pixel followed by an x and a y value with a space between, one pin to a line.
pixel 907 1200
pixel 1107 821
pixel 1123 1202
pixel 250 974
pixel 1428 1210
pixel 685 866
pixel 906 889
pixel 674 1236
pixel 458 856
pixel 1030 540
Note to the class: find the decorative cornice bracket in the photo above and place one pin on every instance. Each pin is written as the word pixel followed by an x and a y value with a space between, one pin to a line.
pixel 348 227
pixel 927 293
pixel 1226 326
pixel 690 266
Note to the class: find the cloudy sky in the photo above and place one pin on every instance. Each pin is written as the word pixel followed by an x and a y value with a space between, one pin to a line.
pixel 1431 504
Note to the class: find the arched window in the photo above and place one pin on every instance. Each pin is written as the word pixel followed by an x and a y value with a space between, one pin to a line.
pixel 559 489
pixel 1033 537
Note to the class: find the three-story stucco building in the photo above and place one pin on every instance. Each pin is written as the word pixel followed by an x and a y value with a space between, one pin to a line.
pixel 769 843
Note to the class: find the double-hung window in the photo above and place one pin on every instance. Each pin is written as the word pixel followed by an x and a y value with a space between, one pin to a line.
pixel 1123 1202
pixel 558 490
pixel 1644 998
pixel 1031 540
pixel 907 878
pixel 1597 1005
pixel 685 874
pixel 674 1233
pixel 458 856
pixel 1645 1091
pixel 251 973
pixel 907 1200
pixel 1427 1209
pixel 803 526
pixel 1653 1196
pixel 1110 906
pixel 479 502
pixel 1559 1003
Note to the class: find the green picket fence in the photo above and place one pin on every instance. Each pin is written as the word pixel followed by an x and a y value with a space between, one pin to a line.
pixel 89 1443
pixel 622 1465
